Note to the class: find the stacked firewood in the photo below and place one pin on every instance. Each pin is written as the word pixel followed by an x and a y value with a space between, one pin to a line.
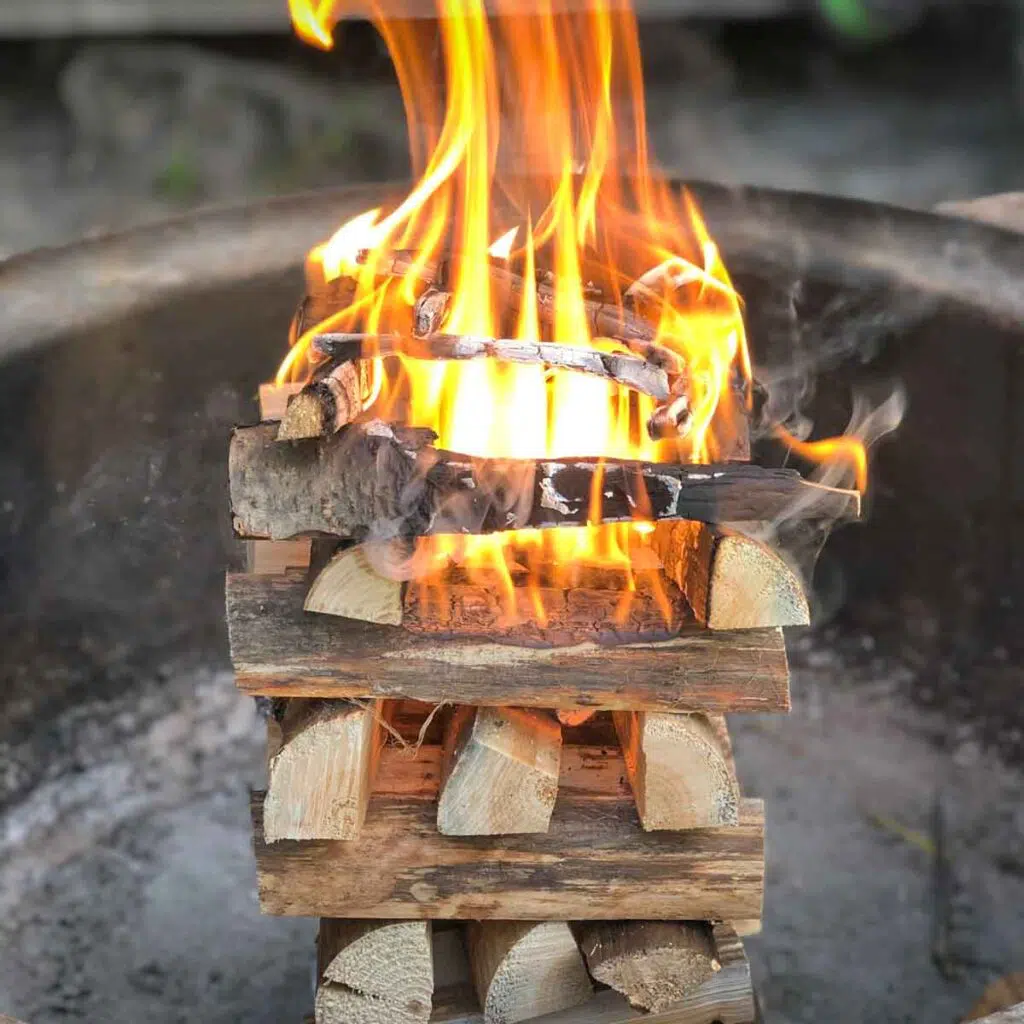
pixel 502 821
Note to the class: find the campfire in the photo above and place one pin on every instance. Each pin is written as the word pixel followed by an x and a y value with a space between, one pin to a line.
pixel 505 465
pixel 514 380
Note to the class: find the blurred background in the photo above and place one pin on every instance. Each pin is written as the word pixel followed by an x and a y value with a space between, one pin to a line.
pixel 120 111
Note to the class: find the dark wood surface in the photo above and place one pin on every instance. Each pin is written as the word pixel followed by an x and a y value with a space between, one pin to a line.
pixel 280 650
pixel 595 861
pixel 361 478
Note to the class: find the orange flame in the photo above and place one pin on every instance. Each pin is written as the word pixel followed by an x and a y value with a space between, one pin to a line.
pixel 589 212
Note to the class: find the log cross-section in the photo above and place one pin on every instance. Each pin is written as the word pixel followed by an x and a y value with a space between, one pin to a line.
pixel 373 477
pixel 374 972
pixel 524 969
pixel 679 768
pixel 349 587
pixel 500 772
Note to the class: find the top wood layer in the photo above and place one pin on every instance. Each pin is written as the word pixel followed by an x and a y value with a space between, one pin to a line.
pixel 280 650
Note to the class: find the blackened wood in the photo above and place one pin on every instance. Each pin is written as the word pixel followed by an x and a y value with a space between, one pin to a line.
pixel 619 368
pixel 280 650
pixel 373 477
pixel 324 405
pixel 593 863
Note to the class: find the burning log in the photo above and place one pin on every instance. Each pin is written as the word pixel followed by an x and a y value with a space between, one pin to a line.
pixel 654 964
pixel 680 770
pixel 429 312
pixel 325 405
pixel 321 773
pixel 523 970
pixel 374 972
pixel 628 371
pixel 500 773
pixel 372 476
pixel 730 580
pixel 349 587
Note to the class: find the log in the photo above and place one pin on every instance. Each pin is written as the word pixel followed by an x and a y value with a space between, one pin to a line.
pixel 1001 995
pixel 273 399
pixel 324 405
pixel 271 557
pixel 586 606
pixel 321 775
pixel 523 969
pixel 654 964
pixel 573 717
pixel 429 312
pixel 500 773
pixel 730 580
pixel 682 776
pixel 617 367
pixel 727 998
pixel 348 586
pixel 374 972
pixel 594 862
pixel 374 476
pixel 279 650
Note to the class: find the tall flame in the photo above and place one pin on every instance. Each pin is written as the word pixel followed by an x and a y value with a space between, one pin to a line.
pixel 560 98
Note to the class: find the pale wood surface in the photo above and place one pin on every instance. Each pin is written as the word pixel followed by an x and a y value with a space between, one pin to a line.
pixel 595 862
pixel 726 997
pixel 730 580
pixel 654 964
pixel 279 650
pixel 1001 995
pixel 374 972
pixel 322 772
pixel 680 771
pixel 500 772
pixel 273 557
pixel 523 969
pixel 1011 1015
pixel 349 587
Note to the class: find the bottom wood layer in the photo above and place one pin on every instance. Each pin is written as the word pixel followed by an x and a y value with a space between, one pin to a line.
pixel 595 861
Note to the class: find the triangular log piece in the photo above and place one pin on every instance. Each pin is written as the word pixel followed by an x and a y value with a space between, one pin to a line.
pixel 280 651
pixel 500 772
pixel 324 405
pixel 731 581
pixel 523 969
pixel 654 964
pixel 593 863
pixel 374 972
pixel 679 768
pixel 273 399
pixel 321 773
pixel 350 587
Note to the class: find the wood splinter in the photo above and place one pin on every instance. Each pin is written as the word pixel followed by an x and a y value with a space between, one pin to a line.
pixel 654 964
pixel 322 759
pixel 374 972
pixel 523 969
pixel 500 774
pixel 680 769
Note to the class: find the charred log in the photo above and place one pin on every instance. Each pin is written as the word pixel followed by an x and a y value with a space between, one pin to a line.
pixel 392 481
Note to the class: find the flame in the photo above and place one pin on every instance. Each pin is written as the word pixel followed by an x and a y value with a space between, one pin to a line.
pixel 545 91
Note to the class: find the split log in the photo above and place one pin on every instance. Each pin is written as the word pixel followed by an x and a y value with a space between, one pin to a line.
pixel 524 969
pixel 588 606
pixel 271 557
pixel 374 972
pixel 500 772
pixel 373 476
pixel 573 717
pixel 681 775
pixel 325 405
pixel 429 312
pixel 593 863
pixel 626 370
pixel 730 580
pixel 402 263
pixel 348 586
pixel 654 964
pixel 321 776
pixel 322 299
pixel 279 650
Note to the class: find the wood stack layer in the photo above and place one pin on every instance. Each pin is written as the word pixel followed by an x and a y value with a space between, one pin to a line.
pixel 434 762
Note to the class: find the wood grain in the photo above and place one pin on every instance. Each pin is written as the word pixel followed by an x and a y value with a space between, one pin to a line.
pixel 279 650
pixel 595 862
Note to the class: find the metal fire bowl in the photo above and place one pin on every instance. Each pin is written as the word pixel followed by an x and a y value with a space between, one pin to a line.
pixel 127 359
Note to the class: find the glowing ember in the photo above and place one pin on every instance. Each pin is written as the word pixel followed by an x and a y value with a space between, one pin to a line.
pixel 590 224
